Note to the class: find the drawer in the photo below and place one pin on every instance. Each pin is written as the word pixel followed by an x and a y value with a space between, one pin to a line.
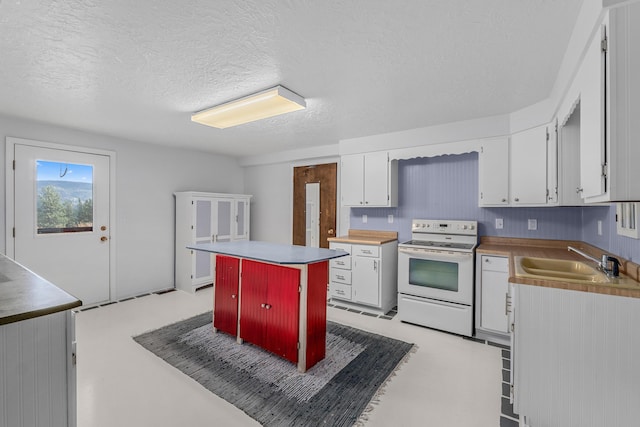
pixel 494 263
pixel 340 291
pixel 344 246
pixel 366 250
pixel 343 263
pixel 340 276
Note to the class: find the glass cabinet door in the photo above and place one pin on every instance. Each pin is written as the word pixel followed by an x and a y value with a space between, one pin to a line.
pixel 241 220
pixel 224 220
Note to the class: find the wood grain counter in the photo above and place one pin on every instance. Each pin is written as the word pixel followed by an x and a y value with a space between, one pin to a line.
pixel 366 237
pixel 626 285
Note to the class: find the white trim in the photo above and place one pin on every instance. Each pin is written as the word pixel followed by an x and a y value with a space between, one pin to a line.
pixel 11 142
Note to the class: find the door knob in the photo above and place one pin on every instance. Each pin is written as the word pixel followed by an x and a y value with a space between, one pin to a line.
pixel 330 232
pixel 104 238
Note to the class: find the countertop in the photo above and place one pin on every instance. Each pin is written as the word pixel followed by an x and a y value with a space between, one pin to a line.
pixel 366 237
pixel 25 295
pixel 627 285
pixel 275 253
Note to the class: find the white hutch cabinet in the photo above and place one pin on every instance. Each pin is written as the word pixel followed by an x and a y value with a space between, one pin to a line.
pixel 206 218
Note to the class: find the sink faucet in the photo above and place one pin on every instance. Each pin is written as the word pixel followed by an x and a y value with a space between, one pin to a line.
pixel 603 263
pixel 614 270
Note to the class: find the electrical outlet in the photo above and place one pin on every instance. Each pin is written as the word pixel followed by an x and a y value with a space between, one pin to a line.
pixel 390 219
pixel 533 224
pixel 499 224
pixel 364 219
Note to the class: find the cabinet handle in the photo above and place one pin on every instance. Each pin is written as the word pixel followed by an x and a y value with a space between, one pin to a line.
pixel 516 199
pixel 504 200
pixel 487 260
pixel 263 305
pixel 375 265
pixel 233 296
pixel 267 306
pixel 578 190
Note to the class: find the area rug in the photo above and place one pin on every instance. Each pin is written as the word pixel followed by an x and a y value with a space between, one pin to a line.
pixel 338 391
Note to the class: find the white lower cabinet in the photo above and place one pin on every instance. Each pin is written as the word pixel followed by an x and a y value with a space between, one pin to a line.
pixel 492 299
pixel 38 372
pixel 576 358
pixel 367 277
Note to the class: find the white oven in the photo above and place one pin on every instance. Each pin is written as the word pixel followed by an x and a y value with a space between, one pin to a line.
pixel 436 275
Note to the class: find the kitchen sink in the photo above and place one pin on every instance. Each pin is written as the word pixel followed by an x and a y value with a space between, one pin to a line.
pixel 558 269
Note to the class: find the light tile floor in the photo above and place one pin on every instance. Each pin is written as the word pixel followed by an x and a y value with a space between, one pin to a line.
pixel 448 381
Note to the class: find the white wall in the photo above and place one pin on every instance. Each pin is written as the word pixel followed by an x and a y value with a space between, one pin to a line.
pixel 271 204
pixel 146 178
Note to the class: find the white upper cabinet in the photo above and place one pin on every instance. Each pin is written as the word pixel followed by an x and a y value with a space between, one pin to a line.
pixel 592 117
pixel 609 102
pixel 493 168
pixel 569 189
pixel 552 163
pixel 369 180
pixel 529 166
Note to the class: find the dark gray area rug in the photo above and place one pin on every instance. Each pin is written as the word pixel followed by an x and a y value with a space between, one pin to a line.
pixel 334 392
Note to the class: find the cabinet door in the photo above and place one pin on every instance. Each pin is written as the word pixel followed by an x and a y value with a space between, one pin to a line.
pixel 253 302
pixel 352 180
pixel 241 231
pixel 224 220
pixel 493 165
pixel 376 179
pixel 592 120
pixel 569 160
pixel 552 163
pixel 366 280
pixel 282 307
pixel 529 167
pixel 495 286
pixel 225 317
pixel 202 268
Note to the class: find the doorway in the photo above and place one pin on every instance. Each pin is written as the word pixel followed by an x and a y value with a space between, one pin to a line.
pixel 61 214
pixel 314 193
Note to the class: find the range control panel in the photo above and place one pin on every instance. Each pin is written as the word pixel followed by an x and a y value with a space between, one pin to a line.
pixel 469 228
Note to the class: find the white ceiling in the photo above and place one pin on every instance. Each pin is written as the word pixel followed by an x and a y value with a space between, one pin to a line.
pixel 138 69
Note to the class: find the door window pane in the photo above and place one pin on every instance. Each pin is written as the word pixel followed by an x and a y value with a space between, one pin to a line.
pixel 64 197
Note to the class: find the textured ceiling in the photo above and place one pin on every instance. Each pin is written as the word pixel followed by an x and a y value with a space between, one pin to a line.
pixel 138 69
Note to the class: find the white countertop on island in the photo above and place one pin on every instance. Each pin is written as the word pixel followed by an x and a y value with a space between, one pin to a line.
pixel 276 253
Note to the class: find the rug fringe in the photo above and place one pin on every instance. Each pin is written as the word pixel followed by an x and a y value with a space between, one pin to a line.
pixel 375 400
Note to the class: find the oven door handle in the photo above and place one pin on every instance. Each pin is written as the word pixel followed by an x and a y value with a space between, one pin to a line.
pixel 447 254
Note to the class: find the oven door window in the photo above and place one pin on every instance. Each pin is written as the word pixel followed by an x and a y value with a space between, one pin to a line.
pixel 433 274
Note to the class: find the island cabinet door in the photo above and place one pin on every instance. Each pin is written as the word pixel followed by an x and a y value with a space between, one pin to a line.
pixel 269 313
pixel 225 315
pixel 283 308
pixel 253 302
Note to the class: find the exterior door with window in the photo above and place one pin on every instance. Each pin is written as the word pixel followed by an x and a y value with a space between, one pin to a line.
pixel 62 224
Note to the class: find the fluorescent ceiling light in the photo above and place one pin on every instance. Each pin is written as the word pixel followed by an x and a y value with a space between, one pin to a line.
pixel 271 102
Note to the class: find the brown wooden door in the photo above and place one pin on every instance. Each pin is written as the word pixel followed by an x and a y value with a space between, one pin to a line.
pixel 326 175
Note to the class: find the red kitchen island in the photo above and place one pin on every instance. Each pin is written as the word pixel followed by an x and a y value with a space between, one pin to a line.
pixel 274 296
